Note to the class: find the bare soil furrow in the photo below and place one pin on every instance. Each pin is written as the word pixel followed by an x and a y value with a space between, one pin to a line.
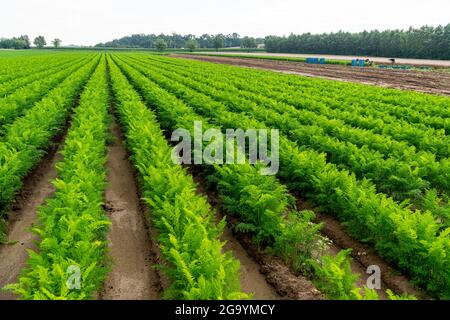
pixel 133 276
pixel 428 82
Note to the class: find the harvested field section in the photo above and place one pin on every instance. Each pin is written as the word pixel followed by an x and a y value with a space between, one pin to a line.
pixel 428 82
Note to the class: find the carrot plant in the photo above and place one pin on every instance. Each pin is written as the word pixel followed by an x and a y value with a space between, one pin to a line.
pixel 262 205
pixel 20 101
pixel 188 235
pixel 72 225
pixel 401 235
pixel 26 140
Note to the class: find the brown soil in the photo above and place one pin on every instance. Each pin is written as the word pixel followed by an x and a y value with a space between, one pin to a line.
pixel 363 256
pixel 428 82
pixel 252 280
pixel 378 60
pixel 288 285
pixel 37 188
pixel 133 276
pixel 266 276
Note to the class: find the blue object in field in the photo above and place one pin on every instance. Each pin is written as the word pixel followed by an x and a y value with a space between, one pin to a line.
pixel 358 63
pixel 322 61
pixel 316 60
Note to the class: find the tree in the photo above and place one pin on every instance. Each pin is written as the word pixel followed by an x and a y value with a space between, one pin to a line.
pixel 26 41
pixel 40 42
pixel 426 42
pixel 249 43
pixel 218 41
pixel 160 44
pixel 191 45
pixel 14 43
pixel 56 43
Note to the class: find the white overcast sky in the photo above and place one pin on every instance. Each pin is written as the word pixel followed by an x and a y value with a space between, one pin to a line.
pixel 88 22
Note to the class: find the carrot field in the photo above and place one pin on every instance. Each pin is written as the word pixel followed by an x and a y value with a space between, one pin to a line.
pixel 92 205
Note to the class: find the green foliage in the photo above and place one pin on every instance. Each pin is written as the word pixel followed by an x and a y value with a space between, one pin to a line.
pixel 188 236
pixel 40 42
pixel 37 87
pixel 426 42
pixel 400 234
pixel 72 225
pixel 402 175
pixel 262 205
pixel 18 81
pixel 218 41
pixel 160 44
pixel 191 45
pixel 334 274
pixel 27 138
pixel 56 43
pixel 300 241
pixel 22 42
pixel 248 43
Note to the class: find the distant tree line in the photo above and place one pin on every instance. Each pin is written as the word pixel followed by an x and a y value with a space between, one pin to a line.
pixel 176 41
pixel 425 42
pixel 23 42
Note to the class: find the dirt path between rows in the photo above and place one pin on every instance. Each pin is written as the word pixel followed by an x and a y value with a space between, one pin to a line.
pixel 133 276
pixel 421 81
pixel 37 188
pixel 252 280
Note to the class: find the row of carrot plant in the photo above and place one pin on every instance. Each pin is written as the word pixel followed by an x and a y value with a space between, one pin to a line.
pixel 16 104
pixel 263 206
pixel 401 235
pixel 401 178
pixel 313 95
pixel 187 233
pixel 27 139
pixel 72 225
pixel 15 67
pixel 8 87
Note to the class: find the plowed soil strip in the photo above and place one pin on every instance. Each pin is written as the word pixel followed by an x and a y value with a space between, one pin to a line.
pixel 133 276
pixel 37 188
pixel 428 82
pixel 252 280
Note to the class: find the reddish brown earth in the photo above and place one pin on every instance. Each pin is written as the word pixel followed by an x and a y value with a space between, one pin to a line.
pixel 421 81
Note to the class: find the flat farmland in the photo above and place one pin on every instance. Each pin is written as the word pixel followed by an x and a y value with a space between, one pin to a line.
pixel 89 187
pixel 436 82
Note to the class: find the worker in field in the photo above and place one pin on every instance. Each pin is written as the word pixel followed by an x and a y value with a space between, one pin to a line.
pixel 369 62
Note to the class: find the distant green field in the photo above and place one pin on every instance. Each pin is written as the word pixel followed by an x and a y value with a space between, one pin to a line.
pixel 24 53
